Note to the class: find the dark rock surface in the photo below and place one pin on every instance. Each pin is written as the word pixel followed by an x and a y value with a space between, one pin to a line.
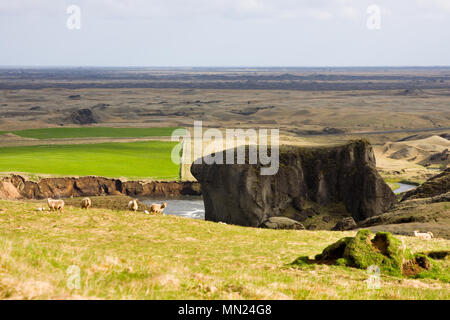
pixel 307 177
pixel 251 110
pixel 281 223
pixel 347 223
pixel 440 156
pixel 83 116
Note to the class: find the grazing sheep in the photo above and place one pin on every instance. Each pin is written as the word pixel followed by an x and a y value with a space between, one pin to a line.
pixel 55 205
pixel 133 205
pixel 51 204
pixel 86 203
pixel 423 236
pixel 60 205
pixel 158 208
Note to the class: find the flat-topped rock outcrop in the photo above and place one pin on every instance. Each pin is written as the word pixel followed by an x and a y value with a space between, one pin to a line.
pixel 308 179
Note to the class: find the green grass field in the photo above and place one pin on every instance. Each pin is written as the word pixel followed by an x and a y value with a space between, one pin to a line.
pixel 149 159
pixel 125 255
pixel 94 132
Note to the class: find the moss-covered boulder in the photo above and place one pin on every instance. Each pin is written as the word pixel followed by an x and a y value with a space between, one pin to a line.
pixel 362 251
pixel 384 251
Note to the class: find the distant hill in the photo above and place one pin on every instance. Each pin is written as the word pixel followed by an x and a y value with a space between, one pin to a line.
pixel 431 150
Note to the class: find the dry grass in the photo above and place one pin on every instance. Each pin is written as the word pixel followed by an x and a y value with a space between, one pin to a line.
pixel 124 255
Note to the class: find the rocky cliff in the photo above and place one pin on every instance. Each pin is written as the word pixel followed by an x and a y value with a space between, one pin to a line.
pixel 17 187
pixel 308 179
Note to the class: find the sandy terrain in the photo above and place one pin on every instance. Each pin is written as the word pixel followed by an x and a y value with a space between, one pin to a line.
pixel 416 150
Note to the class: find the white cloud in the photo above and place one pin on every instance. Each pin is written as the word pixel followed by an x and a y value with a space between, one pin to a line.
pixel 349 12
pixel 320 14
pixel 435 4
pixel 229 9
pixel 272 10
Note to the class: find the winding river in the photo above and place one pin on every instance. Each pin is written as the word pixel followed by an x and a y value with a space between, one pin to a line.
pixel 404 187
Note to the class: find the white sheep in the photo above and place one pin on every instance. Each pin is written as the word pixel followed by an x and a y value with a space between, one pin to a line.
pixel 133 205
pixel 423 236
pixel 158 208
pixel 86 203
pixel 55 205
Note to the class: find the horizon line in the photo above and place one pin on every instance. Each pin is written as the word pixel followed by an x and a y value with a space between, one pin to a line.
pixel 224 67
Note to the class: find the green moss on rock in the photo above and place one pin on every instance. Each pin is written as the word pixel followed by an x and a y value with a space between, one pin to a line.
pixel 334 251
pixel 361 252
pixel 302 261
pixel 382 250
pixel 341 262
pixel 421 266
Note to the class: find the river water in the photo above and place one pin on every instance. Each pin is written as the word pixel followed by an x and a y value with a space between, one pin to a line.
pixel 404 187
pixel 189 207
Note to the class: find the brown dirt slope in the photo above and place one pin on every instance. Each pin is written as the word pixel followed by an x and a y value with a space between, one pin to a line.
pixel 17 187
pixel 429 214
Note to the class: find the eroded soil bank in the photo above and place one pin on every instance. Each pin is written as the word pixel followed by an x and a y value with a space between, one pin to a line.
pixel 17 187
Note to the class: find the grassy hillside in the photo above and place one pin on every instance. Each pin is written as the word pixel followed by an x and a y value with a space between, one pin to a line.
pixel 94 132
pixel 124 255
pixel 150 159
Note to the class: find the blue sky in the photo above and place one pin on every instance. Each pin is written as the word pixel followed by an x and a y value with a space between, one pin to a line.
pixel 225 33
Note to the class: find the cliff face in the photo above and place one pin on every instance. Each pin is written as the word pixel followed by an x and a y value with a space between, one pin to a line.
pixel 346 174
pixel 16 187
